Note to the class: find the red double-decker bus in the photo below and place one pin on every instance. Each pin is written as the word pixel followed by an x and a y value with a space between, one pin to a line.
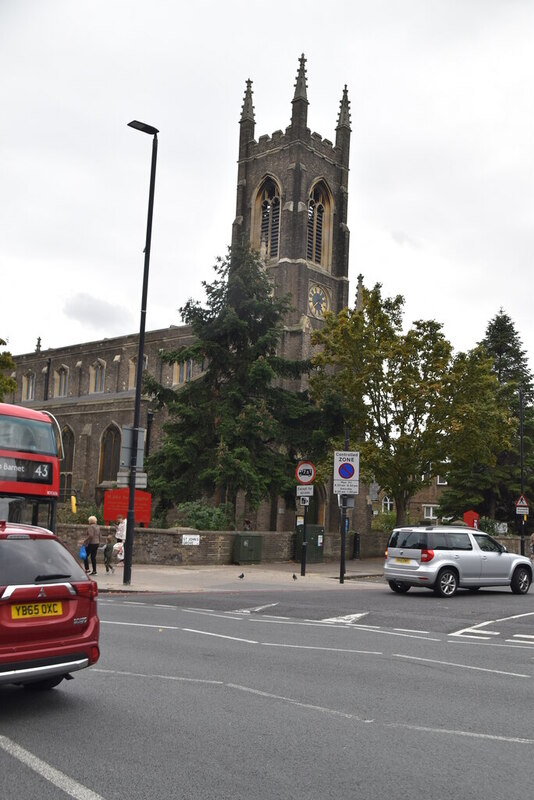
pixel 30 452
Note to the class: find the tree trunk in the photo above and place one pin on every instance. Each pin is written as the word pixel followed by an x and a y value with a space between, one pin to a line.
pixel 400 506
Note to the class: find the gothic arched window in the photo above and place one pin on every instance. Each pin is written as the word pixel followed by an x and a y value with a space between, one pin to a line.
pixel 66 463
pixel 319 230
pixel 61 381
pixel 97 374
pixel 28 386
pixel 266 229
pixel 110 454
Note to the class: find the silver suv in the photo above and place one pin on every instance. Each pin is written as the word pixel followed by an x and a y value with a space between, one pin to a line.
pixel 448 558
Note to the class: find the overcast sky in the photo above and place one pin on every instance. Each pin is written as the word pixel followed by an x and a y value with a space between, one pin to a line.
pixel 441 187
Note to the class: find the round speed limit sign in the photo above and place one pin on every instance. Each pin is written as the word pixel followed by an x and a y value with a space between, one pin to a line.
pixel 305 472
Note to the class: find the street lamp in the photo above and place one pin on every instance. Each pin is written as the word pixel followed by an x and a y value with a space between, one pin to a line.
pixel 130 519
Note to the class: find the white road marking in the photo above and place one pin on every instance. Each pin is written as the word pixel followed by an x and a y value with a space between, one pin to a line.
pixel 71 787
pixel 515 616
pixel 452 732
pixel 473 629
pixel 327 649
pixel 524 636
pixel 348 618
pixel 177 678
pixel 219 636
pixel 332 711
pixel 461 666
pixel 212 613
pixel 141 625
pixel 511 643
pixel 250 610
pixel 409 630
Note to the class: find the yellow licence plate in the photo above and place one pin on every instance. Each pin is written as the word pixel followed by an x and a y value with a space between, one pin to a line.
pixel 32 610
pixel 402 561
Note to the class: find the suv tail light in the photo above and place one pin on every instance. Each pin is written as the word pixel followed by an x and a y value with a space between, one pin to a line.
pixel 427 555
pixel 87 589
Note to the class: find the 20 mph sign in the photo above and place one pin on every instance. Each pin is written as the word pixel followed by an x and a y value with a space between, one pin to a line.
pixel 305 472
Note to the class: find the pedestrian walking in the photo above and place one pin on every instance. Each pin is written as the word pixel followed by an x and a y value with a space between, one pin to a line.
pixel 108 554
pixel 92 542
pixel 120 532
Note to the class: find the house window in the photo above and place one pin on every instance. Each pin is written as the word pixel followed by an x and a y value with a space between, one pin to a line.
pixel 97 374
pixel 61 379
pixel 387 505
pixel 266 227
pixel 66 464
pixel 442 480
pixel 110 453
pixel 28 386
pixel 319 232
pixel 430 512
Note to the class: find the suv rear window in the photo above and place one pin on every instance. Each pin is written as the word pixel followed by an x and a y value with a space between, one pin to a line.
pixel 25 560
pixel 414 540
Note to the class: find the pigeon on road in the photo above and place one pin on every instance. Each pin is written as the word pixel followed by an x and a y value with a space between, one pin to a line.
pixel 294 577
pixel 241 576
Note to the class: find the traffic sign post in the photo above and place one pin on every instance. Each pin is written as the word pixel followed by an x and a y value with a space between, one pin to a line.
pixel 521 506
pixel 305 475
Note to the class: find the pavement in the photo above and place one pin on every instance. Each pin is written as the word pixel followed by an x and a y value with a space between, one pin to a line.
pixel 256 577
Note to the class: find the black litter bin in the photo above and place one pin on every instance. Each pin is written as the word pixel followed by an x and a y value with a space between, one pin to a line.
pixel 246 548
pixel 314 546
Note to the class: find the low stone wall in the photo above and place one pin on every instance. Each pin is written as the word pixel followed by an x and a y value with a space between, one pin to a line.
pixel 169 546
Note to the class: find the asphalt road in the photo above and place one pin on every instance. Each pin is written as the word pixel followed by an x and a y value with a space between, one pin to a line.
pixel 353 692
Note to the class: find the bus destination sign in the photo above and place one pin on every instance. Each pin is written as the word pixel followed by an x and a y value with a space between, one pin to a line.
pixel 22 470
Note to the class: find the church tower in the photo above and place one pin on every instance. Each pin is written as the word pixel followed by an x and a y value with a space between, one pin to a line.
pixel 292 207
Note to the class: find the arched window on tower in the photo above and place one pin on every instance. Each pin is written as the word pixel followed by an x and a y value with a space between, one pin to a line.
pixel 266 228
pixel 66 464
pixel 319 232
pixel 110 454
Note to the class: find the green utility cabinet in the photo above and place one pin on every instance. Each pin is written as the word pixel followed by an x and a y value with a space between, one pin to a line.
pixel 315 543
pixel 246 548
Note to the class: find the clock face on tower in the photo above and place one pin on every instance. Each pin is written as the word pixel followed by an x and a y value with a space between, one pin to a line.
pixel 317 301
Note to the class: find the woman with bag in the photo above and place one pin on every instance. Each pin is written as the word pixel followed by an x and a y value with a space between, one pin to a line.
pixel 91 542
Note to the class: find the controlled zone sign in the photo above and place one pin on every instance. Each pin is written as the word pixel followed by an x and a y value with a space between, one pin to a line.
pixel 305 472
pixel 346 472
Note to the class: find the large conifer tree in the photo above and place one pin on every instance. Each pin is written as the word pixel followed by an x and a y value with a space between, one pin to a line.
pixel 234 427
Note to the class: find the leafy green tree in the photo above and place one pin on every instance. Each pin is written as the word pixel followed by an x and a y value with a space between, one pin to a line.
pixel 491 489
pixel 235 427
pixel 7 384
pixel 478 429
pixel 397 393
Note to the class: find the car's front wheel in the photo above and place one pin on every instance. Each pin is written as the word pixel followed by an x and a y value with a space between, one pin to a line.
pixel 447 583
pixel 399 587
pixel 521 580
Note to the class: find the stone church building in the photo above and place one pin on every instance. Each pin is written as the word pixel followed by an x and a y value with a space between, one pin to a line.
pixel 292 197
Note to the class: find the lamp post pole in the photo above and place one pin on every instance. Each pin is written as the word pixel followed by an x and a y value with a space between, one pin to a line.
pixel 130 518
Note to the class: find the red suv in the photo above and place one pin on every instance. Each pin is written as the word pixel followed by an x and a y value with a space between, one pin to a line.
pixel 48 618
